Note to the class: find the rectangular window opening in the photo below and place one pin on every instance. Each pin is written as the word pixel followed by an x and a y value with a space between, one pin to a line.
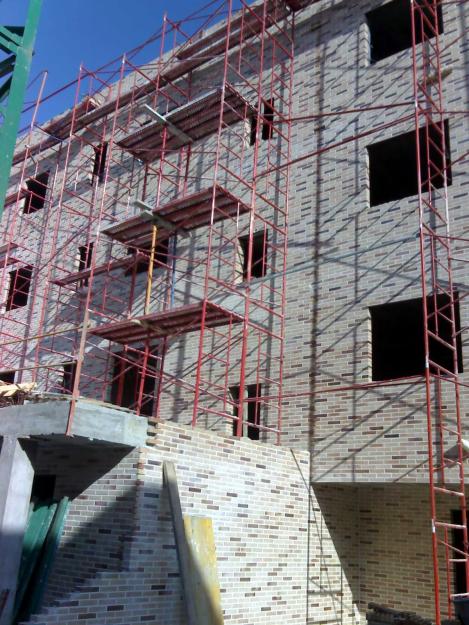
pixel 18 289
pixel 126 380
pixel 267 125
pixel 84 257
pixel 99 163
pixel 36 193
pixel 397 337
pixel 253 130
pixel 258 265
pixel 268 120
pixel 161 257
pixel 7 377
pixel 252 410
pixel 393 164
pixel 68 377
pixel 390 27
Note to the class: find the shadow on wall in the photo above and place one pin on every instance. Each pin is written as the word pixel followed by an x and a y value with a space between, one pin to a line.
pixel 332 558
pixel 118 534
pixel 333 528
pixel 100 520
pixel 323 580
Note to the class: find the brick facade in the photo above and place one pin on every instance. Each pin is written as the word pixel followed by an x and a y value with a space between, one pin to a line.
pixel 344 257
pixel 101 485
pixel 314 555
pixel 304 536
pixel 256 495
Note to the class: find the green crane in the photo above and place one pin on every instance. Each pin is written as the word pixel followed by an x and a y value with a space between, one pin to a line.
pixel 17 43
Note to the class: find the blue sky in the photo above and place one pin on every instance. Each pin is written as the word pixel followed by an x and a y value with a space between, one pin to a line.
pixel 92 32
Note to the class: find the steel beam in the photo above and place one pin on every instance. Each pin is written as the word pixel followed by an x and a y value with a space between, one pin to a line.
pixel 19 42
pixel 161 119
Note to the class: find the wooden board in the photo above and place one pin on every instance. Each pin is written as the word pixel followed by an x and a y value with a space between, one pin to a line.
pixel 203 574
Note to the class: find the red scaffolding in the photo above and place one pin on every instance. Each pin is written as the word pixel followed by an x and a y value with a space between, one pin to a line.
pixel 440 297
pixel 167 185
pixel 148 243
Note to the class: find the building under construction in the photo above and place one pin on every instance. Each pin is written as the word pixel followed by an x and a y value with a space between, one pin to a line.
pixel 234 279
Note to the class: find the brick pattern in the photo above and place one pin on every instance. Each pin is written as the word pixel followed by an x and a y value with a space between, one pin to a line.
pixel 101 519
pixel 259 502
pixel 344 544
pixel 284 552
pixel 344 257
pixel 382 539
pixel 395 548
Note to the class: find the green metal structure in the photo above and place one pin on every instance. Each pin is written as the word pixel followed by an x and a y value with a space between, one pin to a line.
pixel 17 43
pixel 41 541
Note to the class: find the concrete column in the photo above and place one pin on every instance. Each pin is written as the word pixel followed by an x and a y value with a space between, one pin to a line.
pixel 16 478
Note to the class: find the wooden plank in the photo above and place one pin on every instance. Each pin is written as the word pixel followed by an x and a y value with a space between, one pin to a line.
pixel 8 390
pixel 170 480
pixel 38 525
pixel 204 575
pixel 50 547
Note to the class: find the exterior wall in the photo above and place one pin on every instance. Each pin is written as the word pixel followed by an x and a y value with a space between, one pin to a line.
pixel 258 498
pixel 344 257
pixel 285 552
pixel 334 555
pixel 395 548
pixel 382 541
pixel 102 487
pixel 396 566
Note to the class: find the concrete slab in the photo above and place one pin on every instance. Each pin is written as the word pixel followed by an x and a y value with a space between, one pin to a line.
pixel 92 422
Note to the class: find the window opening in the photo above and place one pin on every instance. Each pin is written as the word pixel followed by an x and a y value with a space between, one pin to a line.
pixel 258 267
pixel 68 376
pixel 8 377
pixel 252 410
pixel 253 130
pixel 127 376
pixel 84 257
pixel 36 193
pixel 390 28
pixel 267 125
pixel 161 256
pixel 393 164
pixel 397 337
pixel 268 121
pixel 18 290
pixel 99 164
